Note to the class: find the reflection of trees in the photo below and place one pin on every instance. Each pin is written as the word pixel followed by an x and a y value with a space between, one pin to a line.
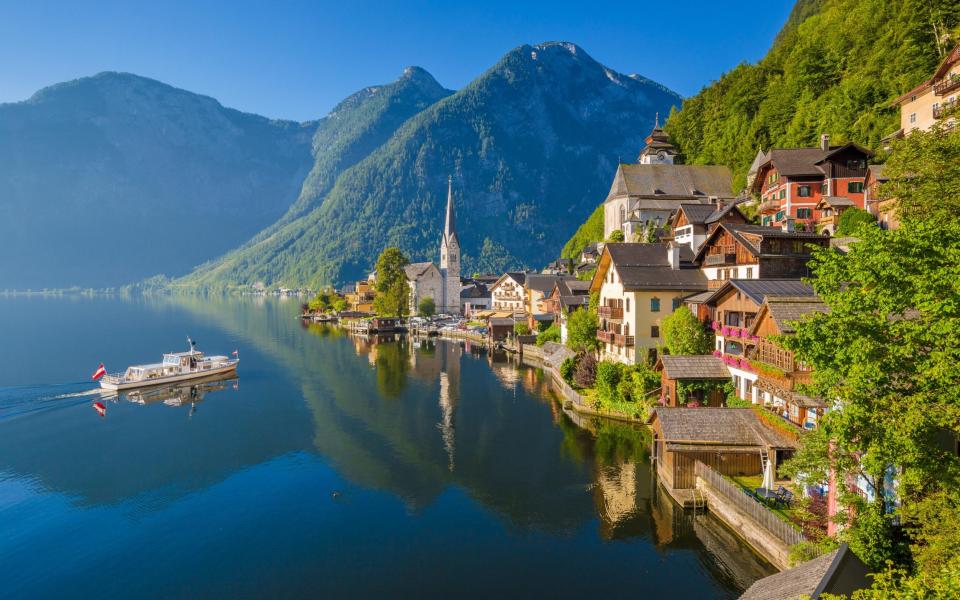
pixel 392 363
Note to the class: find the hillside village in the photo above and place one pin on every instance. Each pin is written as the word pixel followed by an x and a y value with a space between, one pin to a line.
pixel 688 307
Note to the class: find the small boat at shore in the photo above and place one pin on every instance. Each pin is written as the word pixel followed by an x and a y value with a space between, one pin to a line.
pixel 176 366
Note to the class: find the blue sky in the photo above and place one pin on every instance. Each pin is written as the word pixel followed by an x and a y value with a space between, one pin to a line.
pixel 296 60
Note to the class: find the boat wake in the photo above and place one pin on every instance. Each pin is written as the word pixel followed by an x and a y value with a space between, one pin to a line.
pixel 23 400
pixel 93 392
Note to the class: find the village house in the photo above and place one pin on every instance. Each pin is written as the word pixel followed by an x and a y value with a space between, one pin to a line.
pixel 791 181
pixel 474 296
pixel 537 289
pixel 693 223
pixel 927 103
pixel 732 310
pixel 360 298
pixel 693 380
pixel 638 285
pixel 732 441
pixel 778 373
pixel 507 293
pixel 645 195
pixel 567 296
pixel 884 209
pixel 757 252
pixel 839 573
pixel 830 208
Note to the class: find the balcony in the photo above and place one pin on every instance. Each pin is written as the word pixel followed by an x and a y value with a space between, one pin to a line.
pixel 941 110
pixel 769 206
pixel 725 258
pixel 617 339
pixel 945 87
pixel 613 313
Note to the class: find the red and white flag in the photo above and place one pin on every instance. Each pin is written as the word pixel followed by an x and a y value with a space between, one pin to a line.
pixel 236 353
pixel 100 408
pixel 100 372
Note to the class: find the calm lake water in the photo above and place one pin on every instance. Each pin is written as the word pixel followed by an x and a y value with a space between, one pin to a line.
pixel 330 467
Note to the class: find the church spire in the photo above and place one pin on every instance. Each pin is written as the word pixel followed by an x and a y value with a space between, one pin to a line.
pixel 450 225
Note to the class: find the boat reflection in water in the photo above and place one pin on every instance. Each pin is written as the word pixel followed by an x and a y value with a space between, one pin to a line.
pixel 182 394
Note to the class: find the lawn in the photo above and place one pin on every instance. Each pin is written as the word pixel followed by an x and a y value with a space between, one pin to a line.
pixel 806 514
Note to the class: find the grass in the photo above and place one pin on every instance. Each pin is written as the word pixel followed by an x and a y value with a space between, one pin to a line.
pixel 629 409
pixel 790 514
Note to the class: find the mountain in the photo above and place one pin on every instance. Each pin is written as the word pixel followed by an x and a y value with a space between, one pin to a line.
pixel 834 68
pixel 354 128
pixel 112 178
pixel 531 144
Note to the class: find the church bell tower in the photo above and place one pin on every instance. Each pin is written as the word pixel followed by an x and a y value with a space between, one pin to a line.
pixel 450 259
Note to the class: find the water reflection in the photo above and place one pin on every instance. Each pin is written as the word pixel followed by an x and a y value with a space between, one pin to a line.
pixel 177 395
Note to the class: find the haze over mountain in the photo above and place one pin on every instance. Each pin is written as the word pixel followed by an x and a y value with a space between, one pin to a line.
pixel 531 144
pixel 112 178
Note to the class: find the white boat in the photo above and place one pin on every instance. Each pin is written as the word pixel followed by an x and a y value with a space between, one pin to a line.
pixel 176 366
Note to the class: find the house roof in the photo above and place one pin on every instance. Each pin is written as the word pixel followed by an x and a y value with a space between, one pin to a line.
pixel 694 367
pixel 518 276
pixel 710 426
pixel 948 61
pixel 835 202
pixel 875 172
pixel 568 302
pixel 415 270
pixel 646 267
pixel 571 287
pixel 476 290
pixel 840 572
pixel 544 283
pixel 804 162
pixel 759 289
pixel 786 310
pixel 750 236
pixel 757 161
pixel 699 298
pixel 501 321
pixel 679 181
pixel 697 214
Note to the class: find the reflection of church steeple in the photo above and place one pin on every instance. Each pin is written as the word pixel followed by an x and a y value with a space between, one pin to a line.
pixel 449 397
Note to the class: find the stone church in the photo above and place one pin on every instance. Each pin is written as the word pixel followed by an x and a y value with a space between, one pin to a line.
pixel 441 284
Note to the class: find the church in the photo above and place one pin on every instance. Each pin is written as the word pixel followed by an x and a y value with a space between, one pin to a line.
pixel 441 284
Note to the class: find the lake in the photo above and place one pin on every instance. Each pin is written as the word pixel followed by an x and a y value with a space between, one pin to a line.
pixel 330 466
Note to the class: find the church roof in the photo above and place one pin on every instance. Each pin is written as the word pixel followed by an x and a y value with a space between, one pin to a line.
pixel 450 223
pixel 677 181
pixel 416 270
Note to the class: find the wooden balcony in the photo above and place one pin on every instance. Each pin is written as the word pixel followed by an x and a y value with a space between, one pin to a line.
pixel 614 313
pixel 616 339
pixel 769 206
pixel 605 336
pixel 945 87
pixel 940 111
pixel 725 258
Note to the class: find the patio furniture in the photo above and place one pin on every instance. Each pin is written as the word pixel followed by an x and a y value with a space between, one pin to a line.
pixel 766 495
pixel 784 496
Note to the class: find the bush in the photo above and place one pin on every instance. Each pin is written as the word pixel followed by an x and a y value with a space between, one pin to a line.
pixel 616 236
pixel 550 334
pixel 582 330
pixel 852 219
pixel 609 375
pixel 684 334
pixel 585 375
pixel 521 328
pixel 567 367
pixel 427 307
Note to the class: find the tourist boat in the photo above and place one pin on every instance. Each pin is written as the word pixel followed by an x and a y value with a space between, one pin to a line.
pixel 176 366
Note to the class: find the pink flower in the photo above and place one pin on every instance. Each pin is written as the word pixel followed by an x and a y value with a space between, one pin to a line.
pixel 734 332
pixel 725 331
pixel 717 353
pixel 693 404
pixel 715 325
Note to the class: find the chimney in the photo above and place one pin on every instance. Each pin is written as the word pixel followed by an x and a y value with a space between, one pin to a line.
pixel 716 201
pixel 673 255
pixel 788 225
pixel 824 142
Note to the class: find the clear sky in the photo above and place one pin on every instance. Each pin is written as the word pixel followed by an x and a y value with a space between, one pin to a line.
pixel 296 60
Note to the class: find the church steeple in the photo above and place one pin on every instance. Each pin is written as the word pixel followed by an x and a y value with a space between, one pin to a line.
pixel 658 150
pixel 450 225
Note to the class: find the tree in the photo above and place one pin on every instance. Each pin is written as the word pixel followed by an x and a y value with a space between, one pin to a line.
pixel 582 328
pixel 521 328
pixel 888 353
pixel 615 236
pixel 684 334
pixel 550 334
pixel 923 173
pixel 427 307
pixel 339 305
pixel 851 220
pixel 393 293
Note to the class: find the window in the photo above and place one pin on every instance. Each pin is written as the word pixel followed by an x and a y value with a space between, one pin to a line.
pixel 766 220
pixel 855 187
pixel 913 117
pixel 654 305
pixel 654 331
pixel 804 213
pixel 779 215
pixel 623 215
pixel 749 272
pixel 803 191
pixel 676 303
pixel 856 163
pixel 824 188
pixel 783 194
pixel 628 304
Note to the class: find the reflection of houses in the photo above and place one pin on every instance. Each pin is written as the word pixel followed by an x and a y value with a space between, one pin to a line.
pixel 645 195
pixel 777 370
pixel 638 285
pixel 756 252
pixel 733 441
pixel 696 380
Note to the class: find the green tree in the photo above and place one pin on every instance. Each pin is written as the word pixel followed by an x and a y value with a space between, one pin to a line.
pixel 924 175
pixel 339 305
pixel 684 334
pixel 427 307
pixel 582 328
pixel 521 328
pixel 888 352
pixel 616 236
pixel 852 219
pixel 393 293
pixel 550 334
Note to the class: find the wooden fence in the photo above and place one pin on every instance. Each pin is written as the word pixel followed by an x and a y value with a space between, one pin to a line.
pixel 762 516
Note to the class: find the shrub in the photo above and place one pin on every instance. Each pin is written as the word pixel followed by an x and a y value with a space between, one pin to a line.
pixel 521 328
pixel 616 236
pixel 567 367
pixel 852 219
pixel 609 375
pixel 684 334
pixel 585 375
pixel 550 334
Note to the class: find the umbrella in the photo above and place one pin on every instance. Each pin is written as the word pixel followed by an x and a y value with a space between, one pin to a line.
pixel 768 478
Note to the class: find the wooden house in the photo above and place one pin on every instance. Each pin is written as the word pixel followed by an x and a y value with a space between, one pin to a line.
pixel 757 252
pixel 830 208
pixel 732 441
pixel 692 380
pixel 839 573
pixel 692 223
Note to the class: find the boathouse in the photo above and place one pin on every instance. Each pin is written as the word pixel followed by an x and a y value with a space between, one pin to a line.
pixel 732 441
pixel 693 380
